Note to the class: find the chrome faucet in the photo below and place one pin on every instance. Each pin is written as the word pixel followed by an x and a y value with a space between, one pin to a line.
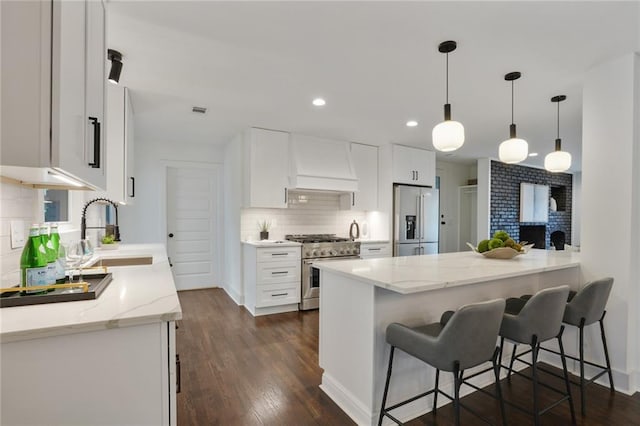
pixel 83 222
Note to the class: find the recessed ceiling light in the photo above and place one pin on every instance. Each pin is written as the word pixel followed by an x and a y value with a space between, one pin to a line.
pixel 533 154
pixel 412 123
pixel 319 102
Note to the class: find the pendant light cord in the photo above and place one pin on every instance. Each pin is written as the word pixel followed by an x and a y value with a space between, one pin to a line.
pixel 558 119
pixel 512 102
pixel 447 92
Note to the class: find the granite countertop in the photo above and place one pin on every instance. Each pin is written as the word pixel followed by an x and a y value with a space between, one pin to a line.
pixel 413 274
pixel 140 294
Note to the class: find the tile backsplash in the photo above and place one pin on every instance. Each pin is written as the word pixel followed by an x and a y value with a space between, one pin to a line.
pixel 16 203
pixel 308 213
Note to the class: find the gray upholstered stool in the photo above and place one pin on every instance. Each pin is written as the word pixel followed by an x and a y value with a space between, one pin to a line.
pixel 461 340
pixel 585 308
pixel 532 322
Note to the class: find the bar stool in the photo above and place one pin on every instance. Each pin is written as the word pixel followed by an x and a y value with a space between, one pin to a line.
pixel 533 322
pixel 461 340
pixel 585 308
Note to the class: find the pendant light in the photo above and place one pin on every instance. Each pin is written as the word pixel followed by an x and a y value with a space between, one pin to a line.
pixel 558 160
pixel 513 150
pixel 448 135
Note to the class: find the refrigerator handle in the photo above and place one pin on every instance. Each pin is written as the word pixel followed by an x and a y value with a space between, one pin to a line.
pixel 418 218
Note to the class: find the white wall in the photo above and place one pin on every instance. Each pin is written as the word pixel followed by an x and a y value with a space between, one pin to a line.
pixel 141 222
pixel 233 184
pixel 576 207
pixel 452 176
pixel 610 206
pixel 484 197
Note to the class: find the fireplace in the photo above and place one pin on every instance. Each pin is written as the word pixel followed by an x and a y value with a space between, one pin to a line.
pixel 533 234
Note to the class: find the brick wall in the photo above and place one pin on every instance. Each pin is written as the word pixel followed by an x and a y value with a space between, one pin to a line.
pixel 505 199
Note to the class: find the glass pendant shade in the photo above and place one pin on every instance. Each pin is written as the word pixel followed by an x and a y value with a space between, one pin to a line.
pixel 557 161
pixel 513 150
pixel 448 136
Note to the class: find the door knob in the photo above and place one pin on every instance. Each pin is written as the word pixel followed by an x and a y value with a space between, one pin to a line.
pixel 171 235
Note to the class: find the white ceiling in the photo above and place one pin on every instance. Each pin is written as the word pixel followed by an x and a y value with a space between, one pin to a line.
pixel 376 63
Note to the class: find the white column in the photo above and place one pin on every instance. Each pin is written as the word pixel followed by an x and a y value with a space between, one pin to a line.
pixel 610 229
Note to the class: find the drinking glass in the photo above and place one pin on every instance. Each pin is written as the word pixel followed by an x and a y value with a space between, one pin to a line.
pixel 73 259
pixel 85 250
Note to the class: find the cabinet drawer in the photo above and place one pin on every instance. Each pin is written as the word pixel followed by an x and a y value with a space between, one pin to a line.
pixel 277 294
pixel 277 253
pixel 278 272
pixel 375 250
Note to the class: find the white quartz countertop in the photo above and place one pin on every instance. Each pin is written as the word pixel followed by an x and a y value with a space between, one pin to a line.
pixel 272 243
pixel 413 274
pixel 140 294
pixel 373 241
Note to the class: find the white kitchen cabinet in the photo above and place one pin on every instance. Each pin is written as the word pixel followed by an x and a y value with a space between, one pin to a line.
pixel 414 166
pixel 534 203
pixel 266 168
pixel 120 143
pixel 365 162
pixel 53 77
pixel 374 249
pixel 271 278
pixel 115 376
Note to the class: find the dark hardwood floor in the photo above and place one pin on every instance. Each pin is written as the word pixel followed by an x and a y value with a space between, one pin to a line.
pixel 240 370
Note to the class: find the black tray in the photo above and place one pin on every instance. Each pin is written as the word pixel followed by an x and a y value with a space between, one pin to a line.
pixel 97 284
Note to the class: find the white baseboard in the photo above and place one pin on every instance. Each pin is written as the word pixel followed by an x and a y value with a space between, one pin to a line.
pixel 354 408
pixel 236 297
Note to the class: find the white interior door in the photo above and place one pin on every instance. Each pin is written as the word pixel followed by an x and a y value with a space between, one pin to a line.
pixel 192 215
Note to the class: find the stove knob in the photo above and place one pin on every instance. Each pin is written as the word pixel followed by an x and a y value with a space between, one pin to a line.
pixel 307 253
pixel 322 253
pixel 333 252
pixel 347 251
pixel 314 253
pixel 341 251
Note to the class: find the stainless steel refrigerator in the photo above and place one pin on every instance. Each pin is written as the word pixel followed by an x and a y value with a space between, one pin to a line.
pixel 416 211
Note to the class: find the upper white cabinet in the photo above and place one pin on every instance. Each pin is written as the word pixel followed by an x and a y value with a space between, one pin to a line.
pixel 266 164
pixel 414 166
pixel 53 86
pixel 534 202
pixel 365 162
pixel 120 143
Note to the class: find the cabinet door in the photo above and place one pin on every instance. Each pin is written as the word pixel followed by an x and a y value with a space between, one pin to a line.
pixel 68 121
pixel 413 166
pixel 365 162
pixel 267 168
pixel 129 142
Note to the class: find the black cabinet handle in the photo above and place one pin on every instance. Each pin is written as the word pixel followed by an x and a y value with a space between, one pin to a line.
pixel 374 249
pixel 96 143
pixel 353 199
pixel 133 187
pixel 285 196
pixel 171 235
pixel 279 272
pixel 178 375
pixel 417 175
pixel 280 254
pixel 279 294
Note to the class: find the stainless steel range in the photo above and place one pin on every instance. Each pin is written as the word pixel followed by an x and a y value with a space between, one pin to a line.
pixel 320 248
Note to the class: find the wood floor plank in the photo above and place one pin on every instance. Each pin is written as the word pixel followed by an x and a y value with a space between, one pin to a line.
pixel 241 370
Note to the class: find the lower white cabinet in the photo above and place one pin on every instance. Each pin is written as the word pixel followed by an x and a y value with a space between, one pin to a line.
pixel 374 249
pixel 113 376
pixel 271 279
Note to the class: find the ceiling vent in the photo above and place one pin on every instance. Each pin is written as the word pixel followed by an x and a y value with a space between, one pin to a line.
pixel 199 110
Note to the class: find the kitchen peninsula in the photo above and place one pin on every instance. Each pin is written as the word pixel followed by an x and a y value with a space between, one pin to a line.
pixel 105 361
pixel 359 298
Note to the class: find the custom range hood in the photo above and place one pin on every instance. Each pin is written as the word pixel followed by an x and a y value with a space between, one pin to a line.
pixel 322 165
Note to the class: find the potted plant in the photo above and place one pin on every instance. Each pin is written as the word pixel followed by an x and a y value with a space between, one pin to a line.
pixel 109 242
pixel 264 227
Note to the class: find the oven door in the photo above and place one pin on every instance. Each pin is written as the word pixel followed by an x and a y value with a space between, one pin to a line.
pixel 311 275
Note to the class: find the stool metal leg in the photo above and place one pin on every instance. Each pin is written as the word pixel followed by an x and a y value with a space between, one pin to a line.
pixel 534 374
pixel 583 407
pixel 456 392
pixel 566 376
pixel 435 393
pixel 496 372
pixel 513 358
pixel 386 386
pixel 606 352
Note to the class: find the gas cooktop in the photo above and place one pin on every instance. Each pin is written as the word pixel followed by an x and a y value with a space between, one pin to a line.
pixel 315 238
